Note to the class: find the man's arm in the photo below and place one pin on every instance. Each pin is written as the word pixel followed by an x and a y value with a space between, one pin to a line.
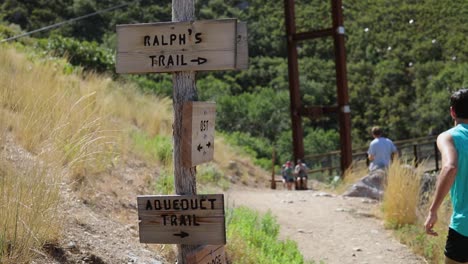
pixel 444 180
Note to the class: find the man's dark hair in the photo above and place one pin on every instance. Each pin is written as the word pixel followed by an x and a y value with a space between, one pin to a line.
pixel 376 131
pixel 459 103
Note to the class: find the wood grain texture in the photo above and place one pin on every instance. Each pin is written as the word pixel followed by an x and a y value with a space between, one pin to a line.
pixel 182 46
pixel 207 255
pixel 182 219
pixel 198 126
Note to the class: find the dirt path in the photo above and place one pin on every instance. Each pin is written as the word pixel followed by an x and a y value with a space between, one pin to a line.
pixel 328 229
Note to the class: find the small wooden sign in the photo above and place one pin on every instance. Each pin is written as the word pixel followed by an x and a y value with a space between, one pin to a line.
pixel 182 219
pixel 177 46
pixel 198 128
pixel 208 255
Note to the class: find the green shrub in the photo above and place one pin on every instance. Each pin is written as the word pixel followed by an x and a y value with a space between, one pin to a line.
pixel 158 148
pixel 260 149
pixel 165 183
pixel 210 174
pixel 88 55
pixel 254 239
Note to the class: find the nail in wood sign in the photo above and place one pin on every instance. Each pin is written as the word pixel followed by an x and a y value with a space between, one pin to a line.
pixel 198 127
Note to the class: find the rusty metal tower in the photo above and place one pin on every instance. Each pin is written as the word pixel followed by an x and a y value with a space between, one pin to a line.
pixel 298 110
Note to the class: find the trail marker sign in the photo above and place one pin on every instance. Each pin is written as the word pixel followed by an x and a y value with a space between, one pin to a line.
pixel 209 254
pixel 181 46
pixel 182 219
pixel 198 128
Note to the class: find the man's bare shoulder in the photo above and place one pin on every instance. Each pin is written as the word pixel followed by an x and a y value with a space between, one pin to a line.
pixel 444 140
pixel 444 136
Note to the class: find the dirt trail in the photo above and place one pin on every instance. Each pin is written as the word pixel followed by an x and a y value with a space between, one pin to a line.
pixel 328 229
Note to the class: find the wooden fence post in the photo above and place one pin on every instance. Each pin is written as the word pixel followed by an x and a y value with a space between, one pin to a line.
pixel 273 158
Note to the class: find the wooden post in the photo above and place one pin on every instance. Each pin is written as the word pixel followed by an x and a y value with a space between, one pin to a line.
pixel 273 158
pixel 415 152
pixel 184 89
pixel 344 113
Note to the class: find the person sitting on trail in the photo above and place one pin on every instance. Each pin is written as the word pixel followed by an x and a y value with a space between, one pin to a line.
pixel 301 175
pixel 381 150
pixel 287 172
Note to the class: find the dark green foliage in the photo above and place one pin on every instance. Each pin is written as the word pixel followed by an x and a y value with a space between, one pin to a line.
pixel 256 147
pixel 88 55
pixel 404 58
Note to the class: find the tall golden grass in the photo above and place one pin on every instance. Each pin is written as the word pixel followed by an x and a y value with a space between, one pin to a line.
pixel 74 125
pixel 405 209
pixel 29 215
pixel 402 194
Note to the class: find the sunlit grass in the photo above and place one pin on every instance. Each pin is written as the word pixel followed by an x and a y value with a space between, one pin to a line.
pixel 77 126
pixel 29 215
pixel 157 148
pixel 253 238
pixel 401 196
pixel 404 209
pixel 73 126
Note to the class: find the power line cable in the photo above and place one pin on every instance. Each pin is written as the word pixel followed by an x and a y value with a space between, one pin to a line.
pixel 65 22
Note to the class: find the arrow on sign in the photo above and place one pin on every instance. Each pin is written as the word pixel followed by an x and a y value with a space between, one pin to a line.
pixel 182 234
pixel 199 147
pixel 200 60
pixel 209 144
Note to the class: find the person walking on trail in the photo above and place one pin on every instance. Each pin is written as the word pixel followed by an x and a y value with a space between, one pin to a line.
pixel 287 173
pixel 301 175
pixel 453 177
pixel 381 150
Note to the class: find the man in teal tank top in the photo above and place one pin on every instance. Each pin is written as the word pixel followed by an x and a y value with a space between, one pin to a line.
pixel 453 178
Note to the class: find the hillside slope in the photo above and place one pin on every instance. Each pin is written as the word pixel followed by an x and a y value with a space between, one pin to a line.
pixel 76 150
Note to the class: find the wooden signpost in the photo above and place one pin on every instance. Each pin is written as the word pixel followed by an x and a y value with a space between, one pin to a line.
pixel 182 219
pixel 182 46
pixel 193 222
pixel 208 255
pixel 198 127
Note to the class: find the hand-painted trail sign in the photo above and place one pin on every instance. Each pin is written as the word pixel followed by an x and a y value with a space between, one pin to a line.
pixel 198 128
pixel 182 219
pixel 210 254
pixel 181 46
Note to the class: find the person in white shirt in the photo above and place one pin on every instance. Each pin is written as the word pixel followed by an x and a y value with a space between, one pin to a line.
pixel 301 175
pixel 381 150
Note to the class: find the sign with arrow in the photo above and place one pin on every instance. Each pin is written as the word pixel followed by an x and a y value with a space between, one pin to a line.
pixel 182 219
pixel 198 127
pixel 180 46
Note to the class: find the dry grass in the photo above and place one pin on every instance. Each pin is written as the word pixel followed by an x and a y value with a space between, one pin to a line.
pixel 84 119
pixel 401 197
pixel 355 172
pixel 73 125
pixel 432 248
pixel 236 165
pixel 29 216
